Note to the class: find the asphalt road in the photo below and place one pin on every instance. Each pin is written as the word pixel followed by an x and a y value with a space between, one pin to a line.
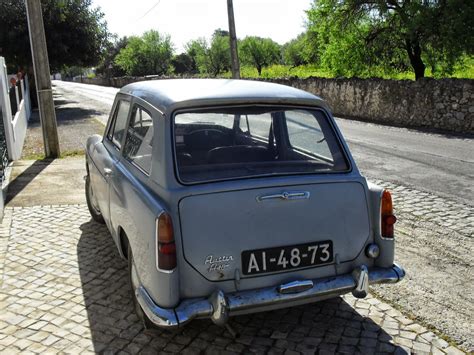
pixel 441 164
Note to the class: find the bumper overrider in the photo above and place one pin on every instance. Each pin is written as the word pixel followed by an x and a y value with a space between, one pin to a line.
pixel 219 306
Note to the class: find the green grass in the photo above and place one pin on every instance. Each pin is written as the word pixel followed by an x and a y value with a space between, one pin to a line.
pixel 33 156
pixel 465 71
pixel 461 71
pixel 66 154
pixel 73 153
pixel 281 71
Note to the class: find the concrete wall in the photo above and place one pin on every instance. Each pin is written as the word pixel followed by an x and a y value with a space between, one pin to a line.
pixel 445 104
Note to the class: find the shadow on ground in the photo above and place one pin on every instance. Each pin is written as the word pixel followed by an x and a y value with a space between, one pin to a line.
pixel 75 125
pixel 331 325
pixel 20 182
pixel 66 115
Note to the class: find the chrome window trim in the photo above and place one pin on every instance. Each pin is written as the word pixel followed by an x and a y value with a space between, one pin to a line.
pixel 142 99
pixel 132 162
pixel 113 120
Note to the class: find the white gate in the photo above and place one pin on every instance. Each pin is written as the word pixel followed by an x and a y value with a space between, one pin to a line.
pixel 14 123
pixel 15 108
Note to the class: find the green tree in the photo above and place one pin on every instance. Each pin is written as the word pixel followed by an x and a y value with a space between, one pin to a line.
pixel 442 30
pixel 108 67
pixel 218 55
pixel 259 52
pixel 212 59
pixel 76 33
pixel 197 51
pixel 296 53
pixel 146 55
pixel 183 64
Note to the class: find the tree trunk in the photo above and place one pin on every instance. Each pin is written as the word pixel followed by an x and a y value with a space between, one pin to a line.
pixel 259 69
pixel 414 53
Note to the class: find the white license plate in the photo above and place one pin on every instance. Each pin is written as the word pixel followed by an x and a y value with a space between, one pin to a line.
pixel 287 257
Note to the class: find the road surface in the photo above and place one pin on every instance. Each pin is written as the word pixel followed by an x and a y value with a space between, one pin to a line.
pixel 435 163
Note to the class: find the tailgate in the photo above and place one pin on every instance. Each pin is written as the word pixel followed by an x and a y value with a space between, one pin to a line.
pixel 228 232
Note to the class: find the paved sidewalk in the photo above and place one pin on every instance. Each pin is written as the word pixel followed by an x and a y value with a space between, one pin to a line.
pixel 46 182
pixel 65 289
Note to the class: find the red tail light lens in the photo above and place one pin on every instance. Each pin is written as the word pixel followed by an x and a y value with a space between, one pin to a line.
pixel 387 217
pixel 165 245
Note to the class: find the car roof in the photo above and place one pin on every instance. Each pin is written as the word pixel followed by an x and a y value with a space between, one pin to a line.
pixel 170 94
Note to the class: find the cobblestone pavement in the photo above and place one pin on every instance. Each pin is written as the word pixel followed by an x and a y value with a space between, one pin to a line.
pixel 415 204
pixel 435 245
pixel 64 289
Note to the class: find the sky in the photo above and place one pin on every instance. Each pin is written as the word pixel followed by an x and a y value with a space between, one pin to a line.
pixel 184 20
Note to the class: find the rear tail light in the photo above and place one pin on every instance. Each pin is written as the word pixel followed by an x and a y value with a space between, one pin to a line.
pixel 165 245
pixel 387 217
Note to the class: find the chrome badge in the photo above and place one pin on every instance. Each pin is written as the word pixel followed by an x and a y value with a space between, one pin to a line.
pixel 218 263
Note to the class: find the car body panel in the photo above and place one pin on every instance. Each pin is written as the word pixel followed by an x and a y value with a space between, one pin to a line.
pixel 206 235
pixel 131 199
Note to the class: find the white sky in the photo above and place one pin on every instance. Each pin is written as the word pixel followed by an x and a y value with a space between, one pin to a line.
pixel 184 20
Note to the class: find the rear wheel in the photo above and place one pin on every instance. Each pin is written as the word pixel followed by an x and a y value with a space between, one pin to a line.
pixel 91 202
pixel 134 283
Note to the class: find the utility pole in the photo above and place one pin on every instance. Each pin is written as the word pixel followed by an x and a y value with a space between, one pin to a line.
pixel 39 53
pixel 234 55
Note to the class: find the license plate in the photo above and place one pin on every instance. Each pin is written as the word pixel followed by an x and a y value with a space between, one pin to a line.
pixel 287 257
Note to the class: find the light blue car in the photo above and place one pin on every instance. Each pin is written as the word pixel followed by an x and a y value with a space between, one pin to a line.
pixel 230 197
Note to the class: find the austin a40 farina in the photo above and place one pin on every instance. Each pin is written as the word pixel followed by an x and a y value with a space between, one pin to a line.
pixel 230 197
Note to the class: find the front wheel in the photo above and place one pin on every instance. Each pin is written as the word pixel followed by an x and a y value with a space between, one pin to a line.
pixel 91 203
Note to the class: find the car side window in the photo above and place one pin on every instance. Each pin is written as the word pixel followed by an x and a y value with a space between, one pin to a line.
pixel 306 134
pixel 139 140
pixel 256 125
pixel 117 128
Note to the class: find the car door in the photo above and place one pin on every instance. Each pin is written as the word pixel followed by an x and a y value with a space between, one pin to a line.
pixel 131 208
pixel 108 153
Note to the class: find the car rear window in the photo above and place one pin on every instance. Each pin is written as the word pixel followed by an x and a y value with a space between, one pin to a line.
pixel 245 142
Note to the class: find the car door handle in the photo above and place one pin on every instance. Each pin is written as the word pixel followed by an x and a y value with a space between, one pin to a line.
pixel 294 195
pixel 108 172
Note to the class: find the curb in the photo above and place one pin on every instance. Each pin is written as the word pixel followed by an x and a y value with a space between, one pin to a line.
pixel 5 184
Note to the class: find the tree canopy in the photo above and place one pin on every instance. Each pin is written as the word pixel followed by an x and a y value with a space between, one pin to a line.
pixel 259 52
pixel 212 59
pixel 294 51
pixel 76 33
pixel 146 55
pixel 349 35
pixel 184 64
pixel 107 66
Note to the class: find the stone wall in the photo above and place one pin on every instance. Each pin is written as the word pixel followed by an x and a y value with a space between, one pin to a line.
pixel 445 104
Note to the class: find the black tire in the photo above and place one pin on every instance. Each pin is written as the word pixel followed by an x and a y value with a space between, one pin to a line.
pixel 133 280
pixel 93 210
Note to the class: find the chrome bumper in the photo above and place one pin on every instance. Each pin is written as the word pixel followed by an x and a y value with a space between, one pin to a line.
pixel 220 306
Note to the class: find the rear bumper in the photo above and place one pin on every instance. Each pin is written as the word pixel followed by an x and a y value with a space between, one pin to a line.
pixel 220 306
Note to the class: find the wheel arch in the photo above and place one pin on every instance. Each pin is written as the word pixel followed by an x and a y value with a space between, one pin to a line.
pixel 123 243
